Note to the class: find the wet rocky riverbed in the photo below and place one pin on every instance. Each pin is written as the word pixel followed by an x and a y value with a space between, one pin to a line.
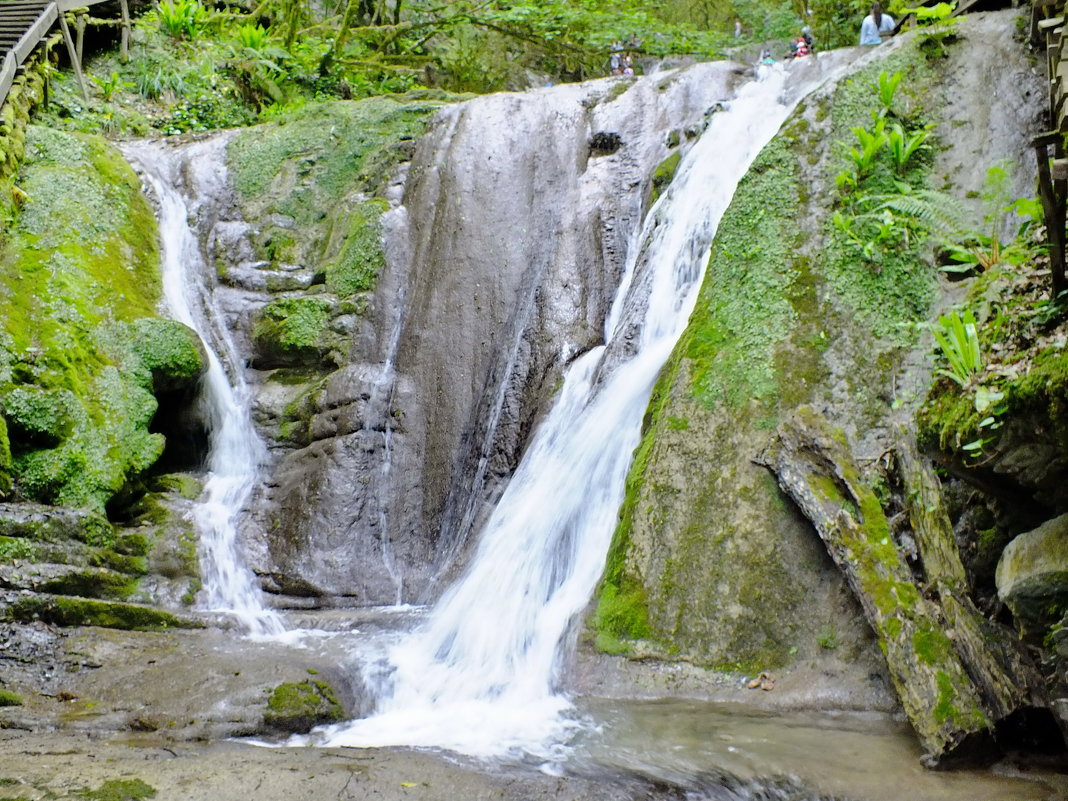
pixel 116 715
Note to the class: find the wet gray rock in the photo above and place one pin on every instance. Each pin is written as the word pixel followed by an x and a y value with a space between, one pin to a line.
pixel 501 266
pixel 1032 576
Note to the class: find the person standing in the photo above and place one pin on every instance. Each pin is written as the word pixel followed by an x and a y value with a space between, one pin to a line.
pixel 876 26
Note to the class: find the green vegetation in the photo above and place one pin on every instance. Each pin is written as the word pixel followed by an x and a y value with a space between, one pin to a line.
pixel 118 790
pixel 80 350
pixel 297 707
pixel 61 611
pixel 957 337
pixel 10 698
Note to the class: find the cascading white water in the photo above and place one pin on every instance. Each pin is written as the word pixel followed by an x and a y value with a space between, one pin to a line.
pixel 480 676
pixel 236 451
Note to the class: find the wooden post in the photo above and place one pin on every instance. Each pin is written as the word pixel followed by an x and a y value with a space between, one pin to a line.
pixel 124 51
pixel 1053 195
pixel 79 31
pixel 74 60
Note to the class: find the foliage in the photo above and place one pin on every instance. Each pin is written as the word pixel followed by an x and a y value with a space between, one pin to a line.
pixel 181 19
pixel 958 340
pixel 933 13
pixel 108 86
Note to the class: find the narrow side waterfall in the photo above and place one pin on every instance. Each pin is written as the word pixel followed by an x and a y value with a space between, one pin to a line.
pixel 480 676
pixel 236 451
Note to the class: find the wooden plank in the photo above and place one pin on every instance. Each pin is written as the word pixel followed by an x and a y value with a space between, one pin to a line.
pixel 7 74
pixel 124 48
pixel 1052 22
pixel 73 56
pixel 36 33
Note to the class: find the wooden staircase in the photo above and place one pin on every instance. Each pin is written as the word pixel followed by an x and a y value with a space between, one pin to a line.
pixel 23 23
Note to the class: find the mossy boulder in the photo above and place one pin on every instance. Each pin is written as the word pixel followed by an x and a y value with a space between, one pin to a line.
pixel 81 349
pixel 1032 576
pixel 308 177
pixel 297 707
pixel 64 611
pixel 291 332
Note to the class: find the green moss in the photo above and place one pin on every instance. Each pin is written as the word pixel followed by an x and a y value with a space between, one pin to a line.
pixel 293 329
pixel 663 174
pixel 71 381
pixel 10 698
pixel 743 310
pixel 622 612
pixel 92 584
pixel 183 484
pixel 63 611
pixel 119 790
pixel 360 255
pixel 15 549
pixel 297 707
pixel 340 144
pixel 931 645
pixel 169 351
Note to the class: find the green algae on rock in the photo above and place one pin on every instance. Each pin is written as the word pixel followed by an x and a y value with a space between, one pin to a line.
pixel 786 315
pixel 65 611
pixel 297 707
pixel 80 354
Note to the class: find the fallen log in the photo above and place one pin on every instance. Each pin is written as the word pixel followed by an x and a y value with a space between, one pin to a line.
pixel 1007 680
pixel 932 651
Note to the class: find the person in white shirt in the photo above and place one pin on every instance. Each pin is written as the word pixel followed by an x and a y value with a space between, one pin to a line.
pixel 875 26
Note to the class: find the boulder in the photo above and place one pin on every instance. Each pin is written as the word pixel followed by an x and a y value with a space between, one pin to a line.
pixel 1032 576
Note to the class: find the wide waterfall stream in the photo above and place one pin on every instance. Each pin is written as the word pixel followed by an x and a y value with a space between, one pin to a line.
pixel 490 649
pixel 236 451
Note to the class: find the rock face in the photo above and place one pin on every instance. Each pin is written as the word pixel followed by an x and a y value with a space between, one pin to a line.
pixel 710 563
pixel 501 262
pixel 1032 576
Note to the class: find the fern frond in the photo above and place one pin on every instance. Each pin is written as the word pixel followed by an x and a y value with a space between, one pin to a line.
pixel 941 214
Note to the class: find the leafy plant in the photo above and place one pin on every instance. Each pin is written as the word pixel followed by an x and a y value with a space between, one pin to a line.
pixel 886 85
pixel 871 142
pixel 181 19
pixel 958 339
pixel 904 146
pixel 110 85
pixel 926 15
pixel 252 37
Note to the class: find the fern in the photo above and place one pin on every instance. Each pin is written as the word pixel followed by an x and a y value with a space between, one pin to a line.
pixel 936 212
pixel 958 338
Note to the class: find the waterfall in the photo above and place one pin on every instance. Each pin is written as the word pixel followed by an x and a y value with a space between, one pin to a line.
pixel 480 676
pixel 236 452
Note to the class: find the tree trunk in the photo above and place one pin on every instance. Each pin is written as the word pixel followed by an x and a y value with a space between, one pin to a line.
pixel 953 675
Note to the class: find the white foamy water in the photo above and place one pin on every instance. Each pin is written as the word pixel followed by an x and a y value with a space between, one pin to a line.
pixel 480 676
pixel 236 451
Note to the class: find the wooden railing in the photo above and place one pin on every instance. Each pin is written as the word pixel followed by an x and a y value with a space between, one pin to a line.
pixel 1048 33
pixel 24 23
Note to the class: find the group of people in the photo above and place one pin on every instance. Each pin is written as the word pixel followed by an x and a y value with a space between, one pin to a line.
pixel 875 28
pixel 620 61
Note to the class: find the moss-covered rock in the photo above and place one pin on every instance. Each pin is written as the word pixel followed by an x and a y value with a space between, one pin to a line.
pixel 291 332
pixel 80 349
pixel 298 707
pixel 708 563
pixel 63 611
pixel 1032 576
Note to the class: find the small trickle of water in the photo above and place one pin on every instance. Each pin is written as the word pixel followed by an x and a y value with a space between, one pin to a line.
pixel 236 451
pixel 480 676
